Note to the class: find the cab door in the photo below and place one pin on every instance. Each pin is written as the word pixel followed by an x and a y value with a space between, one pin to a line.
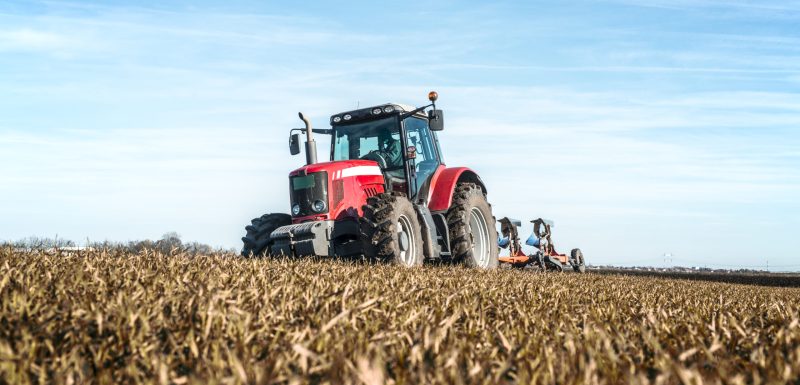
pixel 426 158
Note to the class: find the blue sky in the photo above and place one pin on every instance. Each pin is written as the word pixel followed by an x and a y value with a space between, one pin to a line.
pixel 640 127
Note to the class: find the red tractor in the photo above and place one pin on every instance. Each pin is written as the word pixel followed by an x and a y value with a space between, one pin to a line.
pixel 385 194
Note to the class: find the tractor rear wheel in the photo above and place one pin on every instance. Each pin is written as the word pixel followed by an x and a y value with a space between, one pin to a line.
pixel 473 237
pixel 256 241
pixel 392 230
pixel 578 263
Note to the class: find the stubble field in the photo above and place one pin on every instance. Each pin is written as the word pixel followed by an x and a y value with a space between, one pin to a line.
pixel 112 317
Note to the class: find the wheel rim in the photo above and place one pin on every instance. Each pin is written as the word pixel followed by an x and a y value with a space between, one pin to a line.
pixel 405 231
pixel 480 237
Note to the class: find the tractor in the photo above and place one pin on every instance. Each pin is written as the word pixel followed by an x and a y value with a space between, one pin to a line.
pixel 546 258
pixel 386 195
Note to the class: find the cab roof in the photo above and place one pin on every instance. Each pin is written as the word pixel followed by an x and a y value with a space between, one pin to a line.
pixel 371 113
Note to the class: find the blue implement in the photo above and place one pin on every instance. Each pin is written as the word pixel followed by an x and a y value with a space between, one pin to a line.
pixel 533 241
pixel 503 242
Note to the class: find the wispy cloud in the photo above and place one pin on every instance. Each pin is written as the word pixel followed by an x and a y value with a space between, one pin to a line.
pixel 772 8
pixel 26 39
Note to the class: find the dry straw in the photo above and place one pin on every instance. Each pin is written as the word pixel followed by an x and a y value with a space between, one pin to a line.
pixel 112 317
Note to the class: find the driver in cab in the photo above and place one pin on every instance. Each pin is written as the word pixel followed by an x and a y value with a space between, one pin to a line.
pixel 389 158
pixel 388 149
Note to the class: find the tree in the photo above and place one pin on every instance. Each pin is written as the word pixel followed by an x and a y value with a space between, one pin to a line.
pixel 35 243
pixel 168 242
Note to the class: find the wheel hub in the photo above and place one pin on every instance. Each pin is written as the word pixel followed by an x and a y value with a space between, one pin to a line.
pixel 402 239
pixel 405 241
pixel 479 236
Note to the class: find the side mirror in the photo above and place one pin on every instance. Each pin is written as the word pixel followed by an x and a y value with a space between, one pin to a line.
pixel 436 120
pixel 294 144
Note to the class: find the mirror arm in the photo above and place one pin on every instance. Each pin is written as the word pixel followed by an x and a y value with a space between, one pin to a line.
pixel 324 131
pixel 407 114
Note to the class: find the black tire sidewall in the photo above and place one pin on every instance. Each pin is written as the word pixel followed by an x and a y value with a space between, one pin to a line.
pixel 577 256
pixel 474 198
pixel 263 228
pixel 381 225
pixel 404 207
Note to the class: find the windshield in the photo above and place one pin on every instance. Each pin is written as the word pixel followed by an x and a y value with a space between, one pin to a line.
pixel 357 141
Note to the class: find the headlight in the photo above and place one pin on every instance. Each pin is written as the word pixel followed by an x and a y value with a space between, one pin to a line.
pixel 347 117
pixel 295 209
pixel 376 111
pixel 388 109
pixel 318 206
pixel 337 119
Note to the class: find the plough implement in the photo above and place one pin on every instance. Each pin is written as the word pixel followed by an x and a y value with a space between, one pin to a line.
pixel 546 258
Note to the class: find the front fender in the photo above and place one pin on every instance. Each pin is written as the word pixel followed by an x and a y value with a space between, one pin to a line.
pixel 444 182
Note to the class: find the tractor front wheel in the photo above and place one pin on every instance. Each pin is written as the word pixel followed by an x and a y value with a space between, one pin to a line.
pixel 473 237
pixel 256 241
pixel 392 230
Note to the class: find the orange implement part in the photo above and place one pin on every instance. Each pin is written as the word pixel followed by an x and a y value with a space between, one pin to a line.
pixel 560 257
pixel 515 259
pixel 519 259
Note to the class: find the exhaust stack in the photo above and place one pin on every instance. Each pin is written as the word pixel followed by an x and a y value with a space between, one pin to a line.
pixel 311 145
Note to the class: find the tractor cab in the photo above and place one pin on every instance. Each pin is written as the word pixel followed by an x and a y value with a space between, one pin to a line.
pixel 399 138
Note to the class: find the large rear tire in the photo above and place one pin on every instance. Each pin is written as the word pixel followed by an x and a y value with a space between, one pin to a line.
pixel 392 230
pixel 578 264
pixel 257 241
pixel 473 237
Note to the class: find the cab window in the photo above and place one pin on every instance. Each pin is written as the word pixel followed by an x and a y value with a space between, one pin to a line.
pixel 357 140
pixel 419 136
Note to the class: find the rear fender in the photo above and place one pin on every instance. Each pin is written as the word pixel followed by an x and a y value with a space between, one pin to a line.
pixel 444 182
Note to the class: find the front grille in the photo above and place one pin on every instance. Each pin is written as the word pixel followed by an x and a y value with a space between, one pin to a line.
pixel 338 192
pixel 308 188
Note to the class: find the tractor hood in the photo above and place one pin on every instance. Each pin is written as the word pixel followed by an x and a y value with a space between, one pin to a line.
pixel 341 168
pixel 333 190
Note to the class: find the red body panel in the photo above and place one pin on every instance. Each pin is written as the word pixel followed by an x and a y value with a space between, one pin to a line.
pixel 442 186
pixel 350 183
pixel 349 187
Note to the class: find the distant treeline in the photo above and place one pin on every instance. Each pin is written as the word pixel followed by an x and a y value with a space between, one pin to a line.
pixel 169 243
pixel 745 278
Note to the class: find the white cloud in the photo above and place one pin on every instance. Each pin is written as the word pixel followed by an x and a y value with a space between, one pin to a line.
pixel 26 39
pixel 764 7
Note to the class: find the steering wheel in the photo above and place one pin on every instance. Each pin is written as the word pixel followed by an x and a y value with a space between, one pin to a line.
pixel 377 157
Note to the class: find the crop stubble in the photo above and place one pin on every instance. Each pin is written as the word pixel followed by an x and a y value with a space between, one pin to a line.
pixel 109 316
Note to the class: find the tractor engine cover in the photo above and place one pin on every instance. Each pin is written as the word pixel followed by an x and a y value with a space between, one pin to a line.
pixel 327 201
pixel 343 186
